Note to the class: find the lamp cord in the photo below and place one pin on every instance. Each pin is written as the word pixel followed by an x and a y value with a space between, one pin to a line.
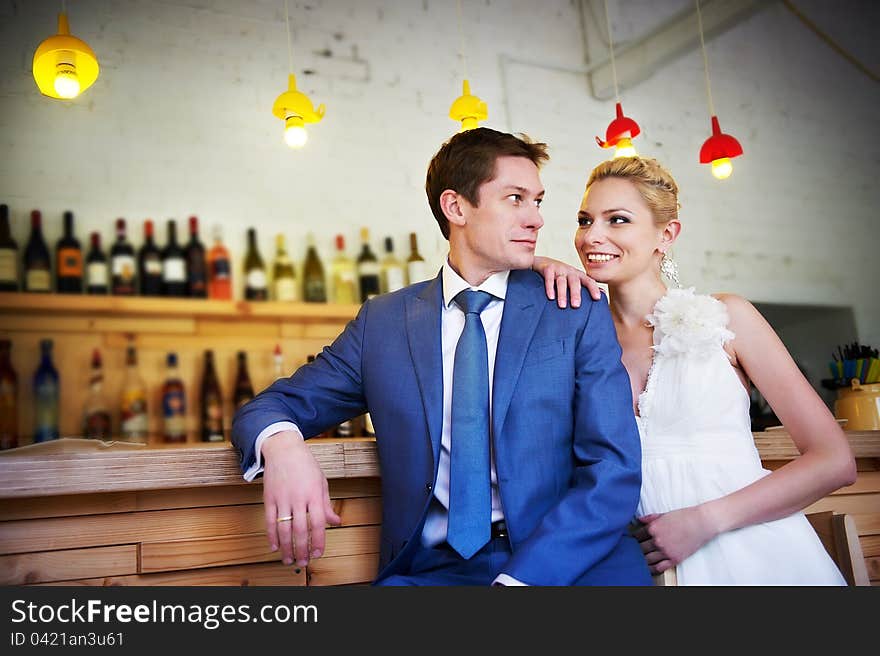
pixel 289 49
pixel 611 50
pixel 461 40
pixel 705 60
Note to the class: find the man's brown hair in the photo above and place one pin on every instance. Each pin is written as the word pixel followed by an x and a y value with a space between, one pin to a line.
pixel 467 160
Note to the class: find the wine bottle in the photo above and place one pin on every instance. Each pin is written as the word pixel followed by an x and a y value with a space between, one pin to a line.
pixel 173 403
pixel 46 396
pixel 211 402
pixel 173 265
pixel 314 283
pixel 133 409
pixel 8 398
pixel 343 275
pixel 97 271
pixel 219 268
pixel 254 271
pixel 278 362
pixel 416 270
pixel 283 274
pixel 149 264
pixel 68 260
pixel 9 278
pixel 392 272
pixel 196 273
pixel 244 391
pixel 37 267
pixel 122 264
pixel 96 413
pixel 368 268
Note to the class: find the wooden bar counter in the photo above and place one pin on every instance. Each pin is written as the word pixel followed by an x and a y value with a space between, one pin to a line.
pixel 78 512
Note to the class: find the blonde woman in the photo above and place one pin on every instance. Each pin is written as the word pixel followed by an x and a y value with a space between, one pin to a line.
pixel 707 507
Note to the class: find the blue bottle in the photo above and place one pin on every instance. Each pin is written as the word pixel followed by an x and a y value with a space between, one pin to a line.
pixel 46 396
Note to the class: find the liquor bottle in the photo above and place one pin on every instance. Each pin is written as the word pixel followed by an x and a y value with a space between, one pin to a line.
pixel 37 267
pixel 244 391
pixel 416 270
pixel 9 281
pixel 173 265
pixel 149 264
pixel 348 428
pixel 196 273
pixel 8 398
pixel 314 284
pixel 283 275
pixel 254 271
pixel 96 413
pixel 219 268
pixel 68 260
pixel 97 271
pixel 368 268
pixel 46 392
pixel 173 403
pixel 343 275
pixel 278 363
pixel 393 274
pixel 122 264
pixel 133 409
pixel 369 431
pixel 211 402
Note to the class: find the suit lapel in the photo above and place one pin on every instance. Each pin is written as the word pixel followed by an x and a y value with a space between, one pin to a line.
pixel 423 331
pixel 518 323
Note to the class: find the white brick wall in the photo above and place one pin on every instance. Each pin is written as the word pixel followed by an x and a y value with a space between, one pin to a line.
pixel 180 123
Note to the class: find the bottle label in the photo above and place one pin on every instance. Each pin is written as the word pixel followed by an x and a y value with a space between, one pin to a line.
pixel 123 267
pixel 345 289
pixel 46 411
pixel 8 265
pixel 37 280
pixel 174 414
pixel 285 289
pixel 416 271
pixel 256 279
pixel 97 425
pixel 368 269
pixel 153 266
pixel 133 413
pixel 97 274
pixel 394 279
pixel 220 269
pixel 212 407
pixel 315 290
pixel 174 270
pixel 70 264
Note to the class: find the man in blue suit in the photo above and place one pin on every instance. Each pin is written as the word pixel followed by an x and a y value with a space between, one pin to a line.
pixel 555 480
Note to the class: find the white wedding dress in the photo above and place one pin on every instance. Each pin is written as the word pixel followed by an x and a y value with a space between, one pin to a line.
pixel 697 445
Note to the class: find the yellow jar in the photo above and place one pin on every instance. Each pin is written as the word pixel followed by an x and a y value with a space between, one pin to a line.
pixel 859 405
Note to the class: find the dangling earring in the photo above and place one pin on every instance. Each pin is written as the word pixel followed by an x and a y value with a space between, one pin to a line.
pixel 669 268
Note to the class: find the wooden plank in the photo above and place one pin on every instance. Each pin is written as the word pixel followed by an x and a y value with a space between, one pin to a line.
pixel 873 567
pixel 238 575
pixel 867 523
pixel 777 444
pixel 854 504
pixel 96 530
pixel 866 482
pixel 51 468
pixel 67 505
pixel 870 545
pixel 47 566
pixel 343 570
pixel 251 548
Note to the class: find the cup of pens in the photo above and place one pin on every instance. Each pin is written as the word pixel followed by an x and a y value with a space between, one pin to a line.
pixel 855 371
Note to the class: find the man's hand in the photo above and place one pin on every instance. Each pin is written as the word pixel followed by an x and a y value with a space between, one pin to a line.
pixel 294 485
pixel 562 281
pixel 668 538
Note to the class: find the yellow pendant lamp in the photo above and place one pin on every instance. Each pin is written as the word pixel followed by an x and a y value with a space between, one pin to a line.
pixel 293 106
pixel 468 109
pixel 64 66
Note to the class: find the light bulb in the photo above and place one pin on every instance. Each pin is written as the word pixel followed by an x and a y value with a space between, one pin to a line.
pixel 295 134
pixel 66 82
pixel 722 168
pixel 625 149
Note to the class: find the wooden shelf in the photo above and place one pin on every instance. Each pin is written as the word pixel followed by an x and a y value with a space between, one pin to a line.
pixel 70 304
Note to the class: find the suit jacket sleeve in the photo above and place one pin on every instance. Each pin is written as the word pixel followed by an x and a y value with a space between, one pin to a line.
pixel 592 516
pixel 317 396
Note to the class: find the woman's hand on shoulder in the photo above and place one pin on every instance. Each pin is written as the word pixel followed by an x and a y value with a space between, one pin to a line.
pixel 563 281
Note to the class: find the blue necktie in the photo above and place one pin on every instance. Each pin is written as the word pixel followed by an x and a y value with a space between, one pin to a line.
pixel 470 496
